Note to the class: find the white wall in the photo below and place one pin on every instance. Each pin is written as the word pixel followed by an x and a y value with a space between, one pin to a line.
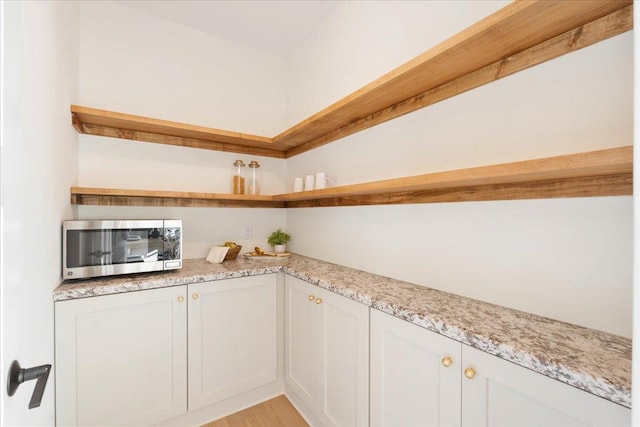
pixel 118 163
pixel 362 40
pixel 136 63
pixel 578 102
pixel 39 163
pixel 566 259
pixel 560 258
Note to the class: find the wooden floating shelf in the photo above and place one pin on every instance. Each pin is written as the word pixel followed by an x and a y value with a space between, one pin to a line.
pixel 120 197
pixel 518 36
pixel 127 126
pixel 596 173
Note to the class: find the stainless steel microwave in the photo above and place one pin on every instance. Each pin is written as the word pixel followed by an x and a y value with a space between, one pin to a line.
pixel 103 248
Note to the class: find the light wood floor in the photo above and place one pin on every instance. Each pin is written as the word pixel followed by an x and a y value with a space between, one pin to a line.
pixel 277 412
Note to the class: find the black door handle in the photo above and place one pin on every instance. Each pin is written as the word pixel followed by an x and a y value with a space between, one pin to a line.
pixel 18 375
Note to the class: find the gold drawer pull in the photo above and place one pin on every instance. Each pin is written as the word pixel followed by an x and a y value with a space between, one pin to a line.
pixel 311 297
pixel 195 296
pixel 447 361
pixel 180 298
pixel 318 300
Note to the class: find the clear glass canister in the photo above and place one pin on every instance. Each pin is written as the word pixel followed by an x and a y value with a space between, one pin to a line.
pixel 254 179
pixel 238 180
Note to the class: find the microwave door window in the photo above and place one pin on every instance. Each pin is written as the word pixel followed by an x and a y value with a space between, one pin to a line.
pixel 86 248
pixel 139 245
pixel 155 245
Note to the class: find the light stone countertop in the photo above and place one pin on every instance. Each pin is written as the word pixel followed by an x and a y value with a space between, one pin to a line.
pixel 594 361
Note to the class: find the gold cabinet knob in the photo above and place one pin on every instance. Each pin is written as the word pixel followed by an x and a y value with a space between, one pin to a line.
pixel 180 298
pixel 318 300
pixel 311 297
pixel 447 361
pixel 195 296
pixel 470 373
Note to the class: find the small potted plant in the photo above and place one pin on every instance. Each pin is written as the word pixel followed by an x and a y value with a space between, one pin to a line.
pixel 278 239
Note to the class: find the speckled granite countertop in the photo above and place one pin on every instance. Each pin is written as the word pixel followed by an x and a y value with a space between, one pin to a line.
pixel 594 361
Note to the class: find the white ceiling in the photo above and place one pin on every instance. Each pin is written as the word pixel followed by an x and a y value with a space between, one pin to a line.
pixel 272 26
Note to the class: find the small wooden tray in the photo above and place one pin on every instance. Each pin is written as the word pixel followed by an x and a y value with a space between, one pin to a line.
pixel 270 255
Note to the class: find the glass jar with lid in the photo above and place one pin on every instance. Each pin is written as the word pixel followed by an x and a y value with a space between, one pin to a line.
pixel 254 179
pixel 238 180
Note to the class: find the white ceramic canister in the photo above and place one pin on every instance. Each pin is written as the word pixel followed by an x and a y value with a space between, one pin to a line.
pixel 309 183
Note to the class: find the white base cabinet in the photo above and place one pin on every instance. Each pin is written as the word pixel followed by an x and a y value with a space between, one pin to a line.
pixel 410 385
pixel 125 359
pixel 502 394
pixel 121 359
pixel 419 378
pixel 326 355
pixel 133 358
pixel 232 338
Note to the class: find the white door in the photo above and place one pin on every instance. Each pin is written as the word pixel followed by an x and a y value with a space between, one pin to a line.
pixel 232 337
pixel 38 165
pixel 302 340
pixel 415 375
pixel 122 359
pixel 345 364
pixel 502 394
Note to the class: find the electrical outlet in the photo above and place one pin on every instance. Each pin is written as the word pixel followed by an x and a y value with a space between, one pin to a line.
pixel 248 232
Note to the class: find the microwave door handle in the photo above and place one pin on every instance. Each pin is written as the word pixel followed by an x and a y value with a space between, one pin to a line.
pixel 109 258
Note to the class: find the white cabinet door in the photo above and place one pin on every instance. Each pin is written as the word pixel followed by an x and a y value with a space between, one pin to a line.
pixel 502 394
pixel 345 360
pixel 232 337
pixel 410 384
pixel 121 359
pixel 327 353
pixel 303 358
